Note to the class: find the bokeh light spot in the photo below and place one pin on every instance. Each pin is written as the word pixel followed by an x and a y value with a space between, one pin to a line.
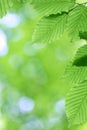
pixel 26 104
pixel 3 44
pixel 10 20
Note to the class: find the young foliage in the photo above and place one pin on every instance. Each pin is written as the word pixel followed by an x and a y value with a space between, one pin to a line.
pixel 50 28
pixel 76 101
pixel 77 21
pixel 76 71
pixel 5 5
pixel 48 7
pixel 76 104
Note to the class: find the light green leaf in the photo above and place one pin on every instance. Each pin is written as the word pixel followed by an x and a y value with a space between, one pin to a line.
pixel 50 28
pixel 5 5
pixel 77 21
pixel 76 71
pixel 47 7
pixel 76 104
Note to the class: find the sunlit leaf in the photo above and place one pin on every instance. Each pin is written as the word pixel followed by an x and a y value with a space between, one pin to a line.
pixel 77 21
pixel 76 104
pixel 76 71
pixel 50 28
pixel 47 7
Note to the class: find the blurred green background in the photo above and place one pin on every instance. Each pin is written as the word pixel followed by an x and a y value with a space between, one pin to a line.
pixel 32 87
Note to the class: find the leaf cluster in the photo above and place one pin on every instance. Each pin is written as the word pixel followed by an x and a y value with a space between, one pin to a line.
pixel 59 17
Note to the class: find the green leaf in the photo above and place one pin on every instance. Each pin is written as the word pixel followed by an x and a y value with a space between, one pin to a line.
pixel 5 5
pixel 77 21
pixel 76 71
pixel 76 104
pixel 47 7
pixel 50 28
